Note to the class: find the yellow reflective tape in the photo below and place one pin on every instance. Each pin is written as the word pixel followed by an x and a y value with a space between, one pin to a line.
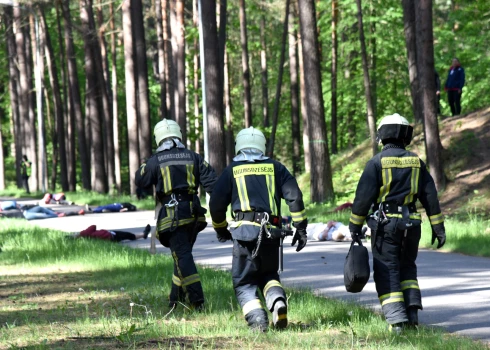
pixel 251 305
pixel 190 177
pixel 220 224
pixel 436 219
pixel 176 280
pixel 282 316
pixel 410 284
pixel 142 169
pixel 270 284
pixel 413 186
pixel 271 188
pixel 391 298
pixel 397 162
pixel 236 224
pixel 166 224
pixel 357 219
pixel 385 188
pixel 191 279
pixel 414 216
pixel 242 194
pixel 260 169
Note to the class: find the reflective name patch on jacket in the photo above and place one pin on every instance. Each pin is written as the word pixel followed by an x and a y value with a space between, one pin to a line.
pixel 164 157
pixel 263 169
pixel 403 162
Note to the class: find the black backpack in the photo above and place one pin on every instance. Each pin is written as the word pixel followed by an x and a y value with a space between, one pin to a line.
pixel 356 267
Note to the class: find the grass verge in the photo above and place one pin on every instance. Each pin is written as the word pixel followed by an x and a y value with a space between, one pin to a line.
pixel 59 293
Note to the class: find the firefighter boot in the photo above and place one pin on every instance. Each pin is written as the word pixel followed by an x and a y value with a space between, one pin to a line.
pixel 413 318
pixel 280 315
pixel 396 328
pixel 257 320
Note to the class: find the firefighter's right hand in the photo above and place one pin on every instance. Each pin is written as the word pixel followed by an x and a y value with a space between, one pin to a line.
pixel 223 234
pixel 300 237
pixel 438 233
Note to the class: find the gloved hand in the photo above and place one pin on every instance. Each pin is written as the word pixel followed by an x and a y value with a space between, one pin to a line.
pixel 300 237
pixel 356 236
pixel 440 234
pixel 223 234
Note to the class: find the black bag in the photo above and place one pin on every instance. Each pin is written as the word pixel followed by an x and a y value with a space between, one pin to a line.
pixel 356 268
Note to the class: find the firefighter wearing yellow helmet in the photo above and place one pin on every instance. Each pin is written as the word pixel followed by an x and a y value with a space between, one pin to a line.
pixel 392 182
pixel 254 184
pixel 176 173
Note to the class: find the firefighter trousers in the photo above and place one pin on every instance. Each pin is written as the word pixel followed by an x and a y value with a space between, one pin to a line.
pixel 186 283
pixel 251 275
pixel 395 272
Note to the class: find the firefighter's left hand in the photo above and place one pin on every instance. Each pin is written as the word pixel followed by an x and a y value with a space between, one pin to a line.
pixel 300 237
pixel 223 234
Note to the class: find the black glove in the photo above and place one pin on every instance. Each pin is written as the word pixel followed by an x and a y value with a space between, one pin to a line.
pixel 223 234
pixel 440 234
pixel 300 237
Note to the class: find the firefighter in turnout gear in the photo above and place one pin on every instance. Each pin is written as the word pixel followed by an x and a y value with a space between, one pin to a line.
pixel 254 184
pixel 176 173
pixel 392 181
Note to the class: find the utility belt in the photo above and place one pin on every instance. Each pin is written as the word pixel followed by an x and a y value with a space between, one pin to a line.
pixel 179 197
pixel 257 217
pixel 406 213
pixel 392 209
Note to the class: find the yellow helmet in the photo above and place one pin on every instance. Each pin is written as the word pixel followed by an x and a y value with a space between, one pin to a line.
pixel 250 138
pixel 166 128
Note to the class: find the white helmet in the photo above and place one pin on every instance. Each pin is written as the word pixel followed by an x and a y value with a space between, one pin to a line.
pixel 250 138
pixel 166 128
pixel 395 127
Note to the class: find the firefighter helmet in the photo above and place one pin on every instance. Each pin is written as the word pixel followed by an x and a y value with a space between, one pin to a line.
pixel 395 127
pixel 250 138
pixel 166 128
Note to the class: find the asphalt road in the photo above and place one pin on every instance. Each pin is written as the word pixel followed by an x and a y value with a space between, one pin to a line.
pixel 455 288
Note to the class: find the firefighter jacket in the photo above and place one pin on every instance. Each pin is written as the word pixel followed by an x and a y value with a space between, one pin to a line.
pixel 396 177
pixel 177 173
pixel 256 186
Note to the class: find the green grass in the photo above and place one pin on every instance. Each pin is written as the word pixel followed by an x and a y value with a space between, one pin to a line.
pixel 81 294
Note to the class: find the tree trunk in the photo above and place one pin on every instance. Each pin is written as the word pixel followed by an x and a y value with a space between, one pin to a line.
pixel 371 118
pixel 38 119
pixel 247 99
pixel 75 98
pixel 321 186
pixel 179 36
pixel 13 90
pixel 294 88
pixel 333 81
pixel 115 120
pixel 229 138
pixel 304 114
pixel 131 111
pixel 264 78
pixel 214 101
pixel 198 134
pixel 161 59
pixel 410 41
pixel 104 85
pixel 169 70
pixel 58 103
pixel 425 57
pixel 69 119
pixel 275 113
pixel 95 94
pixel 143 101
pixel 23 93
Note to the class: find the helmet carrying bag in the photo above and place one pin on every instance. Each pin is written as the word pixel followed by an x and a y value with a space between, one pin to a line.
pixel 356 267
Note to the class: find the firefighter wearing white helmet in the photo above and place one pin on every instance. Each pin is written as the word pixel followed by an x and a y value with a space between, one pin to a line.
pixel 254 185
pixel 176 173
pixel 392 182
